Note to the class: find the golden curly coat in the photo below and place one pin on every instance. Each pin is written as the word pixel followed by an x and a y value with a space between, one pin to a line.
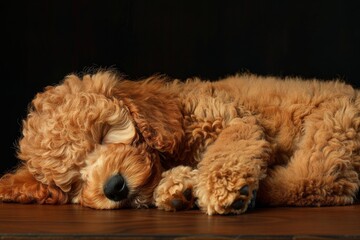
pixel 105 142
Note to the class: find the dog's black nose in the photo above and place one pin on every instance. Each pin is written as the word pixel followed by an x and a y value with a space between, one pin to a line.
pixel 115 188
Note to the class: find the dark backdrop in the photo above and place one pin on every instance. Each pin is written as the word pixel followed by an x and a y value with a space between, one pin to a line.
pixel 42 41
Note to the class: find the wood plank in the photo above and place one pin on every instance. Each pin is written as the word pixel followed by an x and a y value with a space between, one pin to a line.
pixel 73 221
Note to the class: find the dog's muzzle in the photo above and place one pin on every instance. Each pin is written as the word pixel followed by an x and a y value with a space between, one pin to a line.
pixel 116 189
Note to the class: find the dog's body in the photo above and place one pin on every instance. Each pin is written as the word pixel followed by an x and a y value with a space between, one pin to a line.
pixel 108 143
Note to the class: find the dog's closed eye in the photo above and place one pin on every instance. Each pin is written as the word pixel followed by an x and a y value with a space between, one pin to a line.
pixel 121 133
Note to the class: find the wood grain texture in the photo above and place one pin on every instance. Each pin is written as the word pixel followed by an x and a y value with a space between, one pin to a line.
pixel 75 222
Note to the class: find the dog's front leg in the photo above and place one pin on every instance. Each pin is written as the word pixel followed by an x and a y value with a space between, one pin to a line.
pixel 229 173
pixel 175 190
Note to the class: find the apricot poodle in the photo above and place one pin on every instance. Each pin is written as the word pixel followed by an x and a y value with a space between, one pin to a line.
pixel 104 142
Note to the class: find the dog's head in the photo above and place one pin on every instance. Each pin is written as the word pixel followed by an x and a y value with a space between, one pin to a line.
pixel 96 141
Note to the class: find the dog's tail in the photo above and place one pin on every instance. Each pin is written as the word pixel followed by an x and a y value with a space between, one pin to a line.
pixel 22 187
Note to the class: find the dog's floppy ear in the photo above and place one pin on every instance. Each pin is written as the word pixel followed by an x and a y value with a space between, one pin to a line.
pixel 156 112
pixel 22 187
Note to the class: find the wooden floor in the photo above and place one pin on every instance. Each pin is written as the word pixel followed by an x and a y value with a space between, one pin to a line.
pixel 75 222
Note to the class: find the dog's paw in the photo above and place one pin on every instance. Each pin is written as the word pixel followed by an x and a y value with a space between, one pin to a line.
pixel 180 201
pixel 175 190
pixel 244 201
pixel 227 199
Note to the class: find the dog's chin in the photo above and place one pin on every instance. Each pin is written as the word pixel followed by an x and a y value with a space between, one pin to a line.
pixel 102 202
pixel 105 203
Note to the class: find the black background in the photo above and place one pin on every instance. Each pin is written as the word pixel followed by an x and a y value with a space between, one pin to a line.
pixel 42 41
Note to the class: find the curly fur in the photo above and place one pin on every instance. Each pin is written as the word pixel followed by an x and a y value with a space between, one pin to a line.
pixel 179 144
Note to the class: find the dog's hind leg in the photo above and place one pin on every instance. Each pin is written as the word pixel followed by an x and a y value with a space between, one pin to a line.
pixel 325 168
pixel 22 187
